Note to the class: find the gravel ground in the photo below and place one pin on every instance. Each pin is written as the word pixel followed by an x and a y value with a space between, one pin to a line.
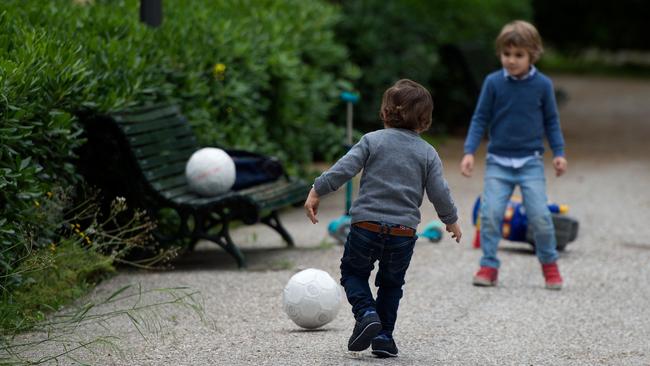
pixel 601 317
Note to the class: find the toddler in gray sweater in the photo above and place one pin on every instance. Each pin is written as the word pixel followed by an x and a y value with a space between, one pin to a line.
pixel 398 167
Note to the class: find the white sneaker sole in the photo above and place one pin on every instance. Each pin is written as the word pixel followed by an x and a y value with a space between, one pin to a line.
pixel 383 354
pixel 481 282
pixel 364 339
pixel 555 287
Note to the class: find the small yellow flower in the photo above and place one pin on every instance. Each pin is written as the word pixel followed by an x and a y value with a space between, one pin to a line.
pixel 36 203
pixel 53 247
pixel 49 194
pixel 219 70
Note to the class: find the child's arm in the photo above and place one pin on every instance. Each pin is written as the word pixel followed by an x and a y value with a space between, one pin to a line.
pixel 480 119
pixel 311 205
pixel 344 169
pixel 553 130
pixel 560 164
pixel 454 229
pixel 438 193
pixel 467 165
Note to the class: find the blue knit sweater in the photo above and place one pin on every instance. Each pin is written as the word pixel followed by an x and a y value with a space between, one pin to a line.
pixel 516 114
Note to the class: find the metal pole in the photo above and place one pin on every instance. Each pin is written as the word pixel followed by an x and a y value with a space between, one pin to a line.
pixel 349 124
pixel 348 187
pixel 350 98
pixel 151 12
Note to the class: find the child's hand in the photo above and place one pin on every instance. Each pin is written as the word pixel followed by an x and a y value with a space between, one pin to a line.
pixel 311 205
pixel 560 165
pixel 467 165
pixel 454 229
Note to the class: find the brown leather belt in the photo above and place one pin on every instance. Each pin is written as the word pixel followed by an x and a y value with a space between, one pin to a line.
pixel 396 231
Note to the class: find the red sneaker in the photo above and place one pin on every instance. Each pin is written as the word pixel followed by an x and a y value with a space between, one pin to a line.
pixel 486 276
pixel 552 276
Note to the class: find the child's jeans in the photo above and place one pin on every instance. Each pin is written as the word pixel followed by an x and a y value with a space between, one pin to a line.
pixel 500 181
pixel 362 249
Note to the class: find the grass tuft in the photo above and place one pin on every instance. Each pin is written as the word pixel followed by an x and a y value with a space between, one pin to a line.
pixel 52 279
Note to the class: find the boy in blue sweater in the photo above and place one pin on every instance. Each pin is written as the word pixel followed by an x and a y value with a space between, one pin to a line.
pixel 398 167
pixel 517 108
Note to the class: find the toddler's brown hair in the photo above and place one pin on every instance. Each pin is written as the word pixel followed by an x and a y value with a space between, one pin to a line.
pixel 408 105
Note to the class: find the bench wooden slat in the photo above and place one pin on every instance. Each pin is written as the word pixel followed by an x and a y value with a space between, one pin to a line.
pixel 199 201
pixel 172 149
pixel 173 193
pixel 170 122
pixel 277 194
pixel 161 138
pixel 169 183
pixel 186 198
pixel 166 170
pixel 181 155
pixel 141 115
pixel 158 137
pixel 144 108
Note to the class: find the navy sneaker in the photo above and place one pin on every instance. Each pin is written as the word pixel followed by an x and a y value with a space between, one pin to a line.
pixel 364 331
pixel 383 346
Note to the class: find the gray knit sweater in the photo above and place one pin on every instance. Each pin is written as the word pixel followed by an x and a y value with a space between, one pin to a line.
pixel 398 166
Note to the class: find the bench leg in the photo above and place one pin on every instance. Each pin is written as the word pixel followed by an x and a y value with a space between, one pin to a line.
pixel 273 221
pixel 223 239
pixel 227 244
pixel 230 247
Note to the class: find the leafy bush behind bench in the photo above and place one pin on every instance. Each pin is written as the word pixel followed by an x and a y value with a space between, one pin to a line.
pixel 259 74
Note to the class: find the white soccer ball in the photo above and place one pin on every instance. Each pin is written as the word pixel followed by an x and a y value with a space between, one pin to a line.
pixel 312 298
pixel 210 171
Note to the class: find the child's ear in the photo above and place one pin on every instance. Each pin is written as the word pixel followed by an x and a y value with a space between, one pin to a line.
pixel 426 120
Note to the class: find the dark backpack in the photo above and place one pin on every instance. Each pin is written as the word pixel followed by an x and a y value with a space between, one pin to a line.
pixel 254 169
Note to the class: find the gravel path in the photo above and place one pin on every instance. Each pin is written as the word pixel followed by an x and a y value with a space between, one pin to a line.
pixel 602 317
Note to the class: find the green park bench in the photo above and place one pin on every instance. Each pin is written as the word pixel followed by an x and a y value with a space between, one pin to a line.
pixel 141 154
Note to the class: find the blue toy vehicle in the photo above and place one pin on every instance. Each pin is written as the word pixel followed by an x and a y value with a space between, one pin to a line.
pixel 515 224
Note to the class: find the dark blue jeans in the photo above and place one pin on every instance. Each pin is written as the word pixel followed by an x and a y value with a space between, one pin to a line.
pixel 362 249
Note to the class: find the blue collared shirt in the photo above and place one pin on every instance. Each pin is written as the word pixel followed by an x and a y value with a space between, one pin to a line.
pixel 530 73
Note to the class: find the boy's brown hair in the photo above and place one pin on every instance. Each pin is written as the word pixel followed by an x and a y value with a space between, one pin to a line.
pixel 408 105
pixel 523 35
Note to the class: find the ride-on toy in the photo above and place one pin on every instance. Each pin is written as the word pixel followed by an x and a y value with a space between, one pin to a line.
pixel 515 224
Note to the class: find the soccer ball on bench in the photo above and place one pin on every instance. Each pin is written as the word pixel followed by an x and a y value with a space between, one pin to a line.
pixel 210 171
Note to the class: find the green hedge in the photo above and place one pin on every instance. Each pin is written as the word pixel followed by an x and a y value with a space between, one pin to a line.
pixel 41 78
pixel 389 40
pixel 260 74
